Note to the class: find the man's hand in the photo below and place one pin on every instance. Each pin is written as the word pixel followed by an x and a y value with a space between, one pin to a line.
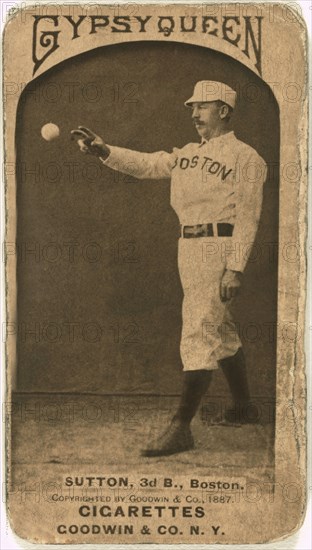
pixel 230 284
pixel 90 143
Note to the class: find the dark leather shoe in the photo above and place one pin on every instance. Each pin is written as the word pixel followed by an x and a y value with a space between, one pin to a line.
pixel 176 439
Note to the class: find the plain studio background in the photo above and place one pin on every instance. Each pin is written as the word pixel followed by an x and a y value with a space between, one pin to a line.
pixel 107 319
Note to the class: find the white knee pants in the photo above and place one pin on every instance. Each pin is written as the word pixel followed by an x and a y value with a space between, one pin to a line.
pixel 208 331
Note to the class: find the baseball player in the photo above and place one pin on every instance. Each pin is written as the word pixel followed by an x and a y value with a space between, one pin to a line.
pixel 216 191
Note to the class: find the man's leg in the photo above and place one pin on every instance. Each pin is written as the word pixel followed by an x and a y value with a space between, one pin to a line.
pixel 195 385
pixel 234 369
pixel 202 312
pixel 178 437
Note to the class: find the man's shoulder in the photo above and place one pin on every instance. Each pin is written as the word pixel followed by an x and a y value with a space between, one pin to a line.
pixel 245 150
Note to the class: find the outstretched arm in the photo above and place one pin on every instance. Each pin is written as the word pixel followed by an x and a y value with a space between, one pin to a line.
pixel 140 165
pixel 90 143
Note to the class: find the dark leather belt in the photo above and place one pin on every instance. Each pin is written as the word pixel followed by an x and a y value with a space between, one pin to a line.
pixel 206 230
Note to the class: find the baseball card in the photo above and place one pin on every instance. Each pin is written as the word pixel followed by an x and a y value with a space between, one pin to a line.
pixel 155 264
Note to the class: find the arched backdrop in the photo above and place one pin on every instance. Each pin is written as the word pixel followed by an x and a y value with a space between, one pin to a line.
pixel 99 296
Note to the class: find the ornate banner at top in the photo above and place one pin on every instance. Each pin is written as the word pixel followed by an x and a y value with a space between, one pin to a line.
pixel 242 32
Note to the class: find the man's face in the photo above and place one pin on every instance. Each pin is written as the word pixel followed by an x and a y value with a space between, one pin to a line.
pixel 206 117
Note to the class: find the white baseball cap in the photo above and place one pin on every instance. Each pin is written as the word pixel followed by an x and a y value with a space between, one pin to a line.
pixel 209 90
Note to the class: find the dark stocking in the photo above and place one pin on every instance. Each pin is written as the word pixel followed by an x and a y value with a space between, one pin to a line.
pixel 234 369
pixel 195 385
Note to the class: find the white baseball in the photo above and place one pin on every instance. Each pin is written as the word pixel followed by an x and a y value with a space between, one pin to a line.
pixel 50 131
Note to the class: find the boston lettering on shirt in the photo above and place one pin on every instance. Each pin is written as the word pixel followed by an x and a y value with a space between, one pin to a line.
pixel 210 165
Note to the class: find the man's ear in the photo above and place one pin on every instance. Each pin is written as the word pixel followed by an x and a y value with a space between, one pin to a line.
pixel 224 111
